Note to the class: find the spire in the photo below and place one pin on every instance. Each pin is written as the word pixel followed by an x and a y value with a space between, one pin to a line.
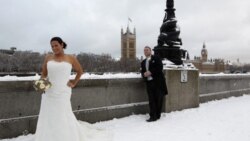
pixel 134 31
pixel 204 44
pixel 128 31
pixel 121 30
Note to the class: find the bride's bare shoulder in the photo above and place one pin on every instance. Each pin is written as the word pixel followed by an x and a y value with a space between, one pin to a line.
pixel 71 58
pixel 48 57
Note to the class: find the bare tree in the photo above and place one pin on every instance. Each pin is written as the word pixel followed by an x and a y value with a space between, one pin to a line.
pixel 28 61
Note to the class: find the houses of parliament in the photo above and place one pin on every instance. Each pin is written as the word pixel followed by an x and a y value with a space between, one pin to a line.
pixel 205 65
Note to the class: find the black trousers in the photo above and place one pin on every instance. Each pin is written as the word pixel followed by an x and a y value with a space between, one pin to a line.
pixel 155 97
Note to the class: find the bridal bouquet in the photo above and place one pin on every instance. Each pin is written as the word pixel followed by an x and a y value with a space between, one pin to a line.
pixel 42 84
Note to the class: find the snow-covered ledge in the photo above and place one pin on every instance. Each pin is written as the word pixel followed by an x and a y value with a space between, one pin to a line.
pixel 84 76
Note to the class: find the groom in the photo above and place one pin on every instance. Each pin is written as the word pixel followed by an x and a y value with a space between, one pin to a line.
pixel 151 71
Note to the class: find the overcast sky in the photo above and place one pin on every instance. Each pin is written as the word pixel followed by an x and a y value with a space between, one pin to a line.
pixel 95 25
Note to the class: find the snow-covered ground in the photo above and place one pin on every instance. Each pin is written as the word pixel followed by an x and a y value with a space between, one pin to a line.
pixel 224 120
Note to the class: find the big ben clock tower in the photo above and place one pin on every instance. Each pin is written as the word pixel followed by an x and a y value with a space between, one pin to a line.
pixel 204 53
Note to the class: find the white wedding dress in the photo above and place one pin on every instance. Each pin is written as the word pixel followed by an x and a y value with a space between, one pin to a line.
pixel 56 120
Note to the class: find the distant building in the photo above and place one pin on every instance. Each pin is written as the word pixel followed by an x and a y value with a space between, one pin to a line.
pixel 128 44
pixel 204 65
pixel 10 51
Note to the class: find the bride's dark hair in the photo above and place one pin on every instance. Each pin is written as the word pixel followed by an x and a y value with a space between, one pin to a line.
pixel 59 40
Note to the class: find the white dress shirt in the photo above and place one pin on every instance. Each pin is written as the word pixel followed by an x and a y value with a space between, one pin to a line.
pixel 147 68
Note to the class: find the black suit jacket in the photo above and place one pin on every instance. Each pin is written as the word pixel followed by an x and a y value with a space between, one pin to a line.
pixel 155 67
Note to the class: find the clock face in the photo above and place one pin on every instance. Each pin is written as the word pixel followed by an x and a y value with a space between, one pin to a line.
pixel 202 52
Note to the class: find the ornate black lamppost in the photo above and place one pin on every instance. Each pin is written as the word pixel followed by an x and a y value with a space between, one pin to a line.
pixel 169 42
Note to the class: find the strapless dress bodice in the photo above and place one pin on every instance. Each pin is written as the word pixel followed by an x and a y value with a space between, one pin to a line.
pixel 58 75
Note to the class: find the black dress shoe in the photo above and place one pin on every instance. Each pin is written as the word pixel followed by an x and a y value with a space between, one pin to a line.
pixel 151 119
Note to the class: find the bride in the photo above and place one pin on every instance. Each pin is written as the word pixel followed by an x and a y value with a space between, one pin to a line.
pixel 56 120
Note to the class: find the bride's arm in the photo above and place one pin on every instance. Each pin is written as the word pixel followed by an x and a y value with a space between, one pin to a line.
pixel 44 67
pixel 79 71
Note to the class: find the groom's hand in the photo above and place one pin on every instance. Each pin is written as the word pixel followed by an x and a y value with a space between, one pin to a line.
pixel 147 74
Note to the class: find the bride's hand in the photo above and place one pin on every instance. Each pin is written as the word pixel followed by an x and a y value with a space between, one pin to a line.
pixel 71 84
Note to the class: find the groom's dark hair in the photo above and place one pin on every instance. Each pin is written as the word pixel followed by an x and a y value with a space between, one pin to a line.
pixel 148 47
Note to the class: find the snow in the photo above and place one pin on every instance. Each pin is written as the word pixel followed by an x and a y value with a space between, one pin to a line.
pixel 84 76
pixel 187 66
pixel 224 74
pixel 208 63
pixel 110 75
pixel 167 65
pixel 224 120
pixel 170 65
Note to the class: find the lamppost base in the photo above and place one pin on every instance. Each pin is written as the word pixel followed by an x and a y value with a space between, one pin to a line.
pixel 172 53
